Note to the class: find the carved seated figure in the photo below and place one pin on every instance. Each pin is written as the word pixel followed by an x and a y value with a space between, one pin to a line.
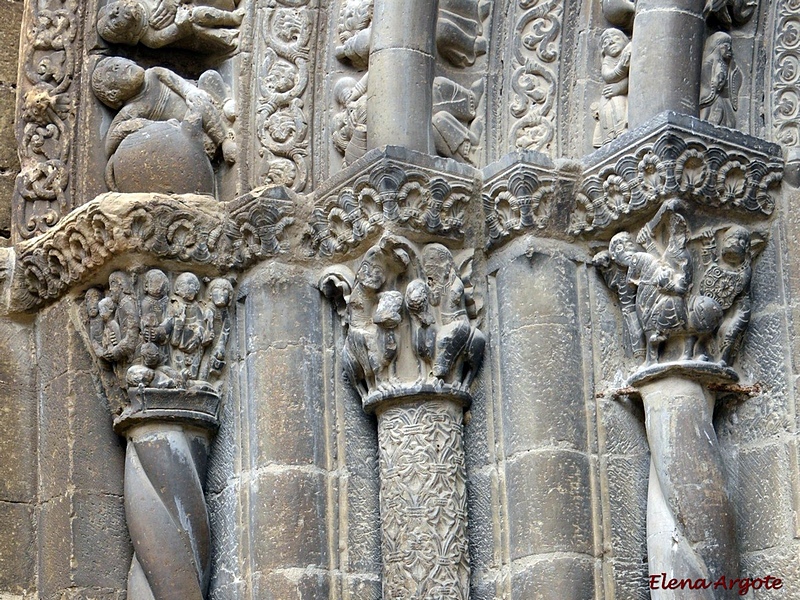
pixel 185 126
pixel 459 30
pixel 153 373
pixel 172 23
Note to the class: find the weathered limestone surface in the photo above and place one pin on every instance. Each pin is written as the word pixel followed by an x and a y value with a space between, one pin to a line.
pixel 458 299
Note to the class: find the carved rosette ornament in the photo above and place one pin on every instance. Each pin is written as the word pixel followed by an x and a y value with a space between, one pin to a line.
pixel 682 280
pixel 161 343
pixel 411 351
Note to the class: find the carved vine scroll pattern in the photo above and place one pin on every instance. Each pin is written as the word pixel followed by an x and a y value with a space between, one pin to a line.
pixel 713 175
pixel 46 117
pixel 534 77
pixel 786 86
pixel 282 80
pixel 423 500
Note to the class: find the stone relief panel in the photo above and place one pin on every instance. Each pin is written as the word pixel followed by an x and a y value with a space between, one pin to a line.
pixel 163 120
pixel 206 26
pixel 47 107
pixel 457 89
pixel 284 47
pixel 785 93
pixel 534 75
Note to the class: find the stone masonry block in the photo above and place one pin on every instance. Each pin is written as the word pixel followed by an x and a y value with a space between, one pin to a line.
pixel 536 290
pixel 17 550
pixel 549 503
pixel 293 585
pixel 286 410
pixel 101 546
pixel 554 578
pixel 627 499
pixel 542 384
pixel 289 525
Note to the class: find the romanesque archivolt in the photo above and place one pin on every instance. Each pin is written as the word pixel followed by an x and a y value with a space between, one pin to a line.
pixel 457 89
pixel 203 26
pixel 160 118
pixel 165 339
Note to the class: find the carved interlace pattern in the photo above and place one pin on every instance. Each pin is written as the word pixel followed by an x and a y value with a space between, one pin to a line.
pixel 423 501
pixel 281 120
pixel 534 78
pixel 194 229
pixel 786 69
pixel 47 106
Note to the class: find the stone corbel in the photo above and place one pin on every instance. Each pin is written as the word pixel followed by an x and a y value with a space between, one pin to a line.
pixel 686 206
pixel 411 351
pixel 160 342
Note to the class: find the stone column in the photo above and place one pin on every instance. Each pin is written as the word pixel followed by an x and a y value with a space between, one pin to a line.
pixel 691 529
pixel 169 435
pixel 674 30
pixel 400 92
pixel 160 343
pixel 411 351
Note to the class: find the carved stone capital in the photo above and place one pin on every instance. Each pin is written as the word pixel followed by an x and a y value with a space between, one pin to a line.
pixel 160 343
pixel 394 189
pixel 188 228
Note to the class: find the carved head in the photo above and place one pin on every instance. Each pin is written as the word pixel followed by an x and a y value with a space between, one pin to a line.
pixel 119 284
pixel 719 44
pixel 417 296
pixel 116 79
pixel 371 272
pixel 93 297
pixel 678 232
pixel 735 245
pixel 187 286
pixel 156 283
pixel 439 267
pixel 282 76
pixel 106 308
pixel 122 22
pixel 151 355
pixel 613 42
pixel 622 248
pixel 221 292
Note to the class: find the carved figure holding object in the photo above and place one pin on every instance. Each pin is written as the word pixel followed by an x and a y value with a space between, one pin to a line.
pixel 616 277
pixel 126 316
pixel 172 23
pixel 612 112
pixel 188 326
pixel 720 81
pixel 218 326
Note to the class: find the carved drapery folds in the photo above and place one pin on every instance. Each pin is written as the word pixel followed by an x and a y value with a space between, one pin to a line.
pixel 411 351
pixel 682 280
pixel 162 342
pixel 47 108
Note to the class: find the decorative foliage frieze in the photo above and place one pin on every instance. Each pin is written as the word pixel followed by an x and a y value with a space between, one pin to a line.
pixel 676 155
pixel 519 198
pixel 786 74
pixel 390 186
pixel 282 122
pixel 47 108
pixel 534 77
pixel 194 229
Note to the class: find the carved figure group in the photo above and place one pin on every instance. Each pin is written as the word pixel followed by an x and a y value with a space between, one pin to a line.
pixel 210 26
pixel 405 299
pixel 671 290
pixel 161 341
